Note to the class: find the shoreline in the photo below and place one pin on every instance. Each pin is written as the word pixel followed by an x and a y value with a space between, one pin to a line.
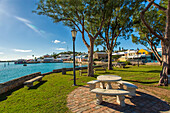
pixel 14 83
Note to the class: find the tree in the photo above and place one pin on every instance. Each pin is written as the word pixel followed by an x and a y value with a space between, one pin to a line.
pixel 157 22
pixel 54 55
pixel 165 40
pixel 119 24
pixel 78 13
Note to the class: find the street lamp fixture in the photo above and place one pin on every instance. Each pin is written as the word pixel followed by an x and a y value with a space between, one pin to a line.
pixel 74 32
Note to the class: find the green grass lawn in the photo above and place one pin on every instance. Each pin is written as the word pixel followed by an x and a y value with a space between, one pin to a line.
pixel 51 94
pixel 146 75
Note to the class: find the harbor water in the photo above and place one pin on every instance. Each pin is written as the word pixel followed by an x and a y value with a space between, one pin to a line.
pixel 9 71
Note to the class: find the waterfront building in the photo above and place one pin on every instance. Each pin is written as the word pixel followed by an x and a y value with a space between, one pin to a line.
pixel 39 60
pixel 100 55
pixel 46 56
pixel 82 58
pixel 134 55
pixel 20 61
pixel 58 60
pixel 65 57
pixel 48 59
pixel 145 51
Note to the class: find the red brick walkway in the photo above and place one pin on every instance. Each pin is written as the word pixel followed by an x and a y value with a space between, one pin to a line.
pixel 82 101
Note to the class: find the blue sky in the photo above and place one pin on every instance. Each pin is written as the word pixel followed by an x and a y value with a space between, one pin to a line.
pixel 23 33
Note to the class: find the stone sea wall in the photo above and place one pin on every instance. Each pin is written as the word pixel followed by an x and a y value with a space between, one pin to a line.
pixel 9 85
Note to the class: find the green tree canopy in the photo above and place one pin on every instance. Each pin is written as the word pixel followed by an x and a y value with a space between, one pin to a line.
pixel 119 24
pixel 78 13
pixel 157 20
pixel 165 40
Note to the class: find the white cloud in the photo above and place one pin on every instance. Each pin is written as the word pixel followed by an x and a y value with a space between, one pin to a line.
pixel 56 41
pixel 22 19
pixel 63 42
pixel 60 49
pixel 1 53
pixel 23 51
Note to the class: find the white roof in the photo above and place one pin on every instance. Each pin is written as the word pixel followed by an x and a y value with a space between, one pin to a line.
pixel 49 58
pixel 134 56
pixel 58 59
pixel 137 56
pixel 81 56
pixel 101 52
pixel 159 49
pixel 131 51
pixel 119 53
pixel 63 55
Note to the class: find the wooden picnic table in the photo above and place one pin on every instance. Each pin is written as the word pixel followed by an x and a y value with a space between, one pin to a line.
pixel 108 79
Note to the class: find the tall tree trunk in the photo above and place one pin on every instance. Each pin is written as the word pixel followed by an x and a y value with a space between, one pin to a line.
pixel 90 57
pixel 165 65
pixel 156 55
pixel 109 52
pixel 166 51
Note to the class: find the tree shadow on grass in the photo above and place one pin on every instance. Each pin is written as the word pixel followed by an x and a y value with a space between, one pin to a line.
pixel 37 85
pixel 126 67
pixel 153 71
pixel 69 74
pixel 4 96
pixel 99 73
pixel 142 82
pixel 141 103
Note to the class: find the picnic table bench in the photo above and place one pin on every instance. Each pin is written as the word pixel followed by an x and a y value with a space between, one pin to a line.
pixel 119 65
pixel 129 87
pixel 119 93
pixel 81 71
pixel 92 84
pixel 100 69
pixel 30 82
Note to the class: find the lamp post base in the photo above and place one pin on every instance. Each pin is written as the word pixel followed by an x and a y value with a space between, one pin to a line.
pixel 74 85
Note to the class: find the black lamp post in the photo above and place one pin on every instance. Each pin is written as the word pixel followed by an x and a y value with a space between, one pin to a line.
pixel 74 32
pixel 138 55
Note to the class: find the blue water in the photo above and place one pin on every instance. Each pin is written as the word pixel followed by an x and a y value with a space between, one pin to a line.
pixel 13 71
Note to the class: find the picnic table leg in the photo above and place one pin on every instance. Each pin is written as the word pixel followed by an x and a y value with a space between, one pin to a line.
pixel 92 86
pixel 30 85
pixel 120 86
pixel 120 100
pixel 102 85
pixel 80 72
pixel 99 98
pixel 108 86
pixel 40 80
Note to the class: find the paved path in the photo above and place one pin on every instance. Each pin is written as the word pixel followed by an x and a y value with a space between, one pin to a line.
pixel 82 101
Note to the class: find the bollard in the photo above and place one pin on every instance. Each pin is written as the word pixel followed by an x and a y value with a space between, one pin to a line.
pixel 63 71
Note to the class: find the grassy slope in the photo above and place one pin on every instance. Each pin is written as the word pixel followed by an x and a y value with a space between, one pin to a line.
pixel 50 95
pixel 145 75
